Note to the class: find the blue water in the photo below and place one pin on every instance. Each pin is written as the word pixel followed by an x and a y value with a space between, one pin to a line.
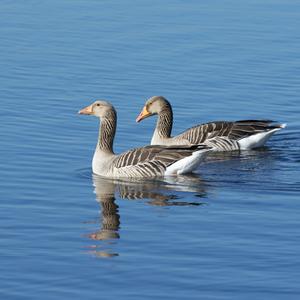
pixel 231 231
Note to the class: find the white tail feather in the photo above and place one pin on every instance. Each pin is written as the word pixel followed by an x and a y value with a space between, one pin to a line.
pixel 257 140
pixel 186 165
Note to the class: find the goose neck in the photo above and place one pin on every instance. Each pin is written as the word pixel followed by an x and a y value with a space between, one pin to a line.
pixel 164 123
pixel 107 133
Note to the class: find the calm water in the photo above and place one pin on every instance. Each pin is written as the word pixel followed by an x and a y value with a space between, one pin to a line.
pixel 232 231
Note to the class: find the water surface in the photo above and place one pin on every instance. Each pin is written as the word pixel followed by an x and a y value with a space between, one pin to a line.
pixel 230 231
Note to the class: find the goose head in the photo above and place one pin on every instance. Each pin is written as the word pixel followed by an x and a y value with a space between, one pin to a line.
pixel 154 105
pixel 99 108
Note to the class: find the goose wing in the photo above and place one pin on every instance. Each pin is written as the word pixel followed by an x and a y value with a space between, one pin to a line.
pixel 152 161
pixel 224 131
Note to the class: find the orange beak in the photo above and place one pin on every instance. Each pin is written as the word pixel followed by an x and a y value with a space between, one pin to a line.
pixel 144 114
pixel 87 110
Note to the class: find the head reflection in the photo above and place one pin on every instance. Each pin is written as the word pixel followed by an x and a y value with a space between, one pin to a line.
pixel 158 192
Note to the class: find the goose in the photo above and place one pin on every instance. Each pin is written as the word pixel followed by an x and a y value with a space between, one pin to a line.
pixel 148 161
pixel 220 135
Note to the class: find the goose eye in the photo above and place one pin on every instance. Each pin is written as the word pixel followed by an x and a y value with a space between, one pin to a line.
pixel 98 104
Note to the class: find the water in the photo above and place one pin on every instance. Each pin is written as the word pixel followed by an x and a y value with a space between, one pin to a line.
pixel 229 232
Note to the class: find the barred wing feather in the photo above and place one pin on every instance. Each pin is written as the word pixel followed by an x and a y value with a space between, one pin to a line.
pixel 225 135
pixel 152 160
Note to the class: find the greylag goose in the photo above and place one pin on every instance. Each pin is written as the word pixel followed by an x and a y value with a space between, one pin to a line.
pixel 221 135
pixel 149 161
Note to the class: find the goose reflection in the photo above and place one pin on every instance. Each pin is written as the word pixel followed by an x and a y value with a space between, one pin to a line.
pixel 157 192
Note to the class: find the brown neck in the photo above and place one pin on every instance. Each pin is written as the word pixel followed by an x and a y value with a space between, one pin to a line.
pixel 165 122
pixel 107 132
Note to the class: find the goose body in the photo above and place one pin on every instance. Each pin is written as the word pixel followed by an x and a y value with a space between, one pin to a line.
pixel 220 135
pixel 149 161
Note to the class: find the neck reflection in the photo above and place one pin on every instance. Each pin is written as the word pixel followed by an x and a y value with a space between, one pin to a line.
pixel 156 192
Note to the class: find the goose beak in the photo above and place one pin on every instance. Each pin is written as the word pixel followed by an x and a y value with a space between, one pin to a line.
pixel 144 114
pixel 87 110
